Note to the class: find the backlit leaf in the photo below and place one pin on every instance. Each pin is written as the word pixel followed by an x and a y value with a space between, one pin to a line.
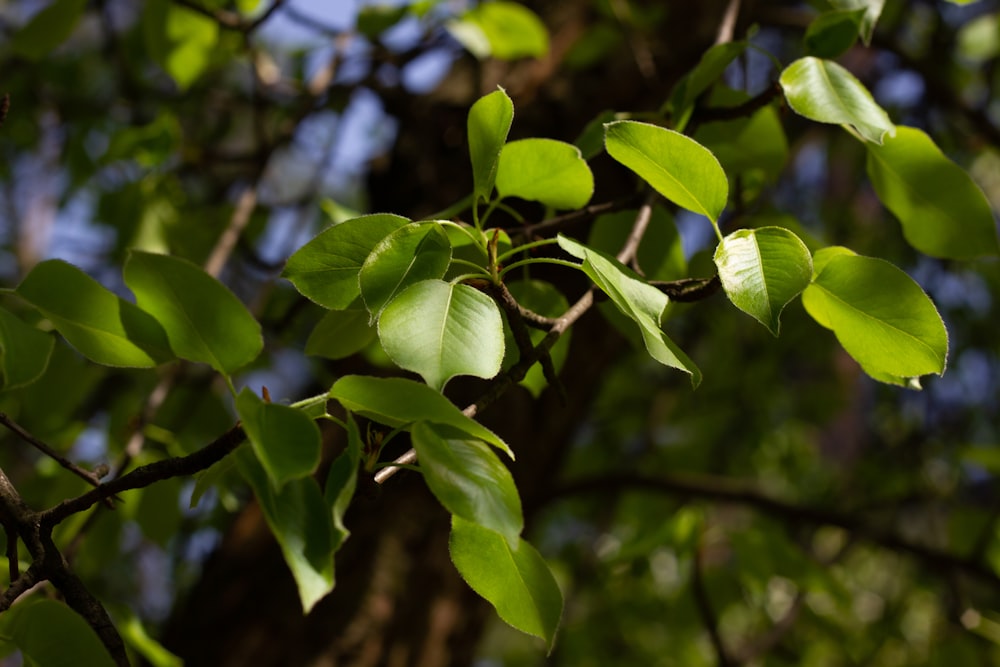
pixel 101 326
pixel 398 402
pixel 489 122
pixel 405 257
pixel 823 91
pixel 547 171
pixel 678 167
pixel 440 330
pixel 326 268
pixel 204 321
pixel 515 580
pixel 503 30
pixel 942 210
pixel 762 270
pixel 469 479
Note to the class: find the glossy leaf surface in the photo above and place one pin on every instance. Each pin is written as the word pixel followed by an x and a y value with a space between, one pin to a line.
pixel 515 580
pixel 439 330
pixel 488 124
pixel 469 479
pixel 823 91
pixel 204 321
pixel 762 270
pixel 101 326
pixel 405 257
pixel 285 440
pixel 678 167
pixel 942 210
pixel 881 317
pixel 551 172
pixel 637 300
pixel 399 402
pixel 325 270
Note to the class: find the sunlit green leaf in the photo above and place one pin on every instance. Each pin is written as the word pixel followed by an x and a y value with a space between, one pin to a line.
pixel 469 479
pixel 326 269
pixel 762 270
pixel 100 325
pixel 31 625
pixel 881 317
pixel 204 321
pixel 678 167
pixel 440 330
pixel 47 29
pixel 636 299
pixel 24 351
pixel 744 144
pixel 286 440
pixel 405 257
pixel 823 91
pixel 515 580
pixel 398 402
pixel 545 170
pixel 942 210
pixel 300 520
pixel 504 30
pixel 488 124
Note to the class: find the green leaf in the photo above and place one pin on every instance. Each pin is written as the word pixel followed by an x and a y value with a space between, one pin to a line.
pixel 24 352
pixel 762 270
pixel 547 171
pixel 400 402
pixel 341 333
pixel 204 321
pixel 503 30
pixel 180 39
pixel 469 479
pixel 440 330
pixel 591 140
pixel 708 70
pixel 942 210
pixel 746 144
pixel 825 92
pixel 373 20
pixel 32 624
pixel 342 481
pixel 546 300
pixel 488 125
pixel 325 270
pixel 637 300
pixel 101 326
pixel 832 33
pixel 678 167
pixel 515 580
pixel 300 520
pixel 405 257
pixel 872 11
pixel 661 253
pixel 880 316
pixel 137 638
pixel 286 440
pixel 47 29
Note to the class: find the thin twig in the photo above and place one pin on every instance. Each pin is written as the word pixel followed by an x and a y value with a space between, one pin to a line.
pixel 18 430
pixel 728 25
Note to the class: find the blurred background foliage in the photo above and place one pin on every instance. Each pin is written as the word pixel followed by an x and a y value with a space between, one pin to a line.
pixel 142 124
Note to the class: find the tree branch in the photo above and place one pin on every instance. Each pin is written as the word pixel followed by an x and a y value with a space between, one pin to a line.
pixel 85 475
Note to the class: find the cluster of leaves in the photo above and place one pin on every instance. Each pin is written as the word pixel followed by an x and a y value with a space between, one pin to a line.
pixel 438 296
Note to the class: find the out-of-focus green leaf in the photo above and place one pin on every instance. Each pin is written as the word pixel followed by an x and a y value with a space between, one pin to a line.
pixel 341 333
pixel 762 270
pixel 32 624
pixel 515 580
pixel 180 39
pixel 942 210
pixel 872 11
pixel 708 70
pixel 503 30
pixel 832 33
pixel 823 91
pixel 300 520
pixel 440 330
pixel 286 440
pixel 204 321
pixel 101 326
pixel 326 268
pixel 746 144
pixel 24 352
pixel 469 479
pixel 47 29
pixel 678 167
pixel 488 124
pixel 547 171
pixel 399 402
